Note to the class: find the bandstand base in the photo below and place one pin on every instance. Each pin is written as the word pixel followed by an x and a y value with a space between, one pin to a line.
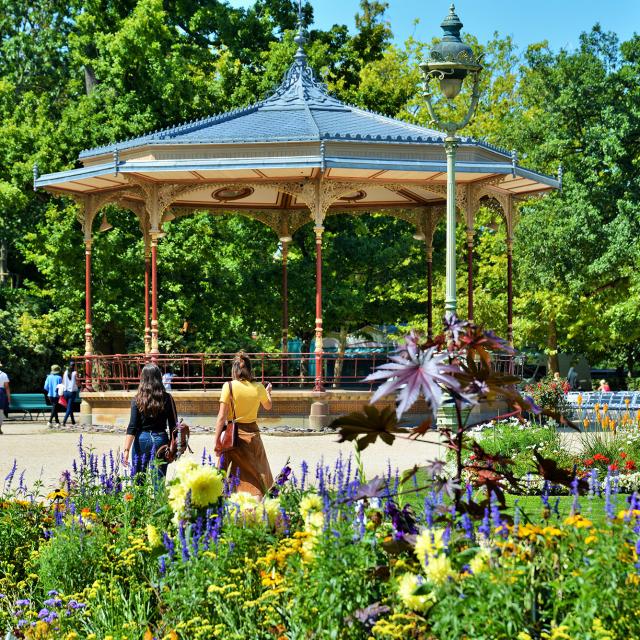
pixel 293 408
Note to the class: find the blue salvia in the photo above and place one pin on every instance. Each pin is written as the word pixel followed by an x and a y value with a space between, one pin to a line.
pixel 9 477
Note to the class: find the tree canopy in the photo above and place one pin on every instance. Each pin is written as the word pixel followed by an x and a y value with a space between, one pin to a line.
pixel 81 73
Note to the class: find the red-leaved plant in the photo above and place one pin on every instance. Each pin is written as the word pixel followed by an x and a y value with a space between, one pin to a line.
pixel 454 367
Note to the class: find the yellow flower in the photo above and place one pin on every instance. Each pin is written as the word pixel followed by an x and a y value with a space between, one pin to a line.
pixel 310 503
pixel 523 635
pixel 480 561
pixel 314 522
pixel 578 521
pixel 439 569
pixel 428 544
pixel 153 537
pixel 557 633
pixel 206 485
pixel 184 466
pixel 407 586
pixel 590 539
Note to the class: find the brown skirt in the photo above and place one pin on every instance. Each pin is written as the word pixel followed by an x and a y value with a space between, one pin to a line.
pixel 250 459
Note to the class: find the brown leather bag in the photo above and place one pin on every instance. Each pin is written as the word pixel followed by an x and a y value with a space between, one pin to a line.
pixel 178 439
pixel 228 439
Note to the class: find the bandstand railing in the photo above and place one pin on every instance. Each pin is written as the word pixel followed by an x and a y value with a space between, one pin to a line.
pixel 209 371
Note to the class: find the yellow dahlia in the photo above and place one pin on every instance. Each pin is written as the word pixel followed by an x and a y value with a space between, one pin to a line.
pixel 438 569
pixel 428 544
pixel 205 484
pixel 407 586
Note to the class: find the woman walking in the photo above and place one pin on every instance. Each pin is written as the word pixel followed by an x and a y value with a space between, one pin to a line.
pixel 153 413
pixel 241 398
pixel 70 385
pixel 51 389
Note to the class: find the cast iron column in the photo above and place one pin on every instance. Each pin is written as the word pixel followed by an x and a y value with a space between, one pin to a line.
pixel 429 290
pixel 88 336
pixel 285 297
pixel 147 324
pixel 154 295
pixel 510 291
pixel 451 303
pixel 319 383
pixel 470 274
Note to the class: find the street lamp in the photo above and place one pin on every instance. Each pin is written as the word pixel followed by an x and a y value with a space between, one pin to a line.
pixel 450 62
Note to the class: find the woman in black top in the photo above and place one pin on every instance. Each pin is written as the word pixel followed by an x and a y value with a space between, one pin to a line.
pixel 152 410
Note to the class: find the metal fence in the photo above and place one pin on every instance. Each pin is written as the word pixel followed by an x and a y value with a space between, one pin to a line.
pixel 204 371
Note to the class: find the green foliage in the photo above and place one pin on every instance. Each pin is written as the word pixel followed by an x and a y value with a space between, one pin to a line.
pixel 78 74
pixel 71 559
pixel 517 440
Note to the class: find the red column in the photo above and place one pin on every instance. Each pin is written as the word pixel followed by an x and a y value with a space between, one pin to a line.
pixel 147 323
pixel 470 274
pixel 319 384
pixel 285 296
pixel 429 291
pixel 510 291
pixel 88 337
pixel 154 295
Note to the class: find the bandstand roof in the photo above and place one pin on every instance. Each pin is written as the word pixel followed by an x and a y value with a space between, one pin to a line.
pixel 298 134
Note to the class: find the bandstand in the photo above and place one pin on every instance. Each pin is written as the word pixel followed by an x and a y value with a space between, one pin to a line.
pixel 297 156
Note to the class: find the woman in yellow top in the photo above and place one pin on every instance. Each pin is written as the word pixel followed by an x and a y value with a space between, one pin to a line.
pixel 249 458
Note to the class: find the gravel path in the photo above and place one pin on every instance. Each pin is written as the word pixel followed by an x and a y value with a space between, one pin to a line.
pixel 44 455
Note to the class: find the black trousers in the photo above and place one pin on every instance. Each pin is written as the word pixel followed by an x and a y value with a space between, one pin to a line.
pixel 53 416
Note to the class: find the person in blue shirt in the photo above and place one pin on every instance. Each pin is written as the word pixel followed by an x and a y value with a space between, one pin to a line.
pixel 51 389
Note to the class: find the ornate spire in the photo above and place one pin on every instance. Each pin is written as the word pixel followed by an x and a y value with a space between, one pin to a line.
pixel 300 38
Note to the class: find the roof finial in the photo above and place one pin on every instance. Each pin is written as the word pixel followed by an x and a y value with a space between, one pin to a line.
pixel 301 38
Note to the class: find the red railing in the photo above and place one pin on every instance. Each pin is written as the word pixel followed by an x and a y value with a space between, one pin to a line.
pixel 203 371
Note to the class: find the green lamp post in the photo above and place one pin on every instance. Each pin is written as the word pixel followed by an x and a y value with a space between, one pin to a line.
pixel 450 62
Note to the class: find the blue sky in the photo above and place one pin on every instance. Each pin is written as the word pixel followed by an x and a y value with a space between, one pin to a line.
pixel 559 21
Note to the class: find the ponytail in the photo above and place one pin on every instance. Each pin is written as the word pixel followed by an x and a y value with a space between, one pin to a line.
pixel 241 367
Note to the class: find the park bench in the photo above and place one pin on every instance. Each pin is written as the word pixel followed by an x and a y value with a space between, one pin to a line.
pixel 34 403
pixel 28 403
pixel 615 400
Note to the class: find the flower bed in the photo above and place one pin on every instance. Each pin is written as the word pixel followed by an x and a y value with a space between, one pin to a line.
pixel 104 557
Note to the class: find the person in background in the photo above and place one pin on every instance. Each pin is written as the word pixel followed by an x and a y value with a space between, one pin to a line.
pixel 167 378
pixel 572 379
pixel 248 459
pixel 51 389
pixel 153 414
pixel 70 383
pixel 5 396
pixel 604 386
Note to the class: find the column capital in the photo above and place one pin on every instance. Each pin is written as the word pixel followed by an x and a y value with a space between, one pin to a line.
pixel 429 253
pixel 470 236
pixel 319 230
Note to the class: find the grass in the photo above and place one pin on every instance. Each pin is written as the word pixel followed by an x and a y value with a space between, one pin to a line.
pixel 531 507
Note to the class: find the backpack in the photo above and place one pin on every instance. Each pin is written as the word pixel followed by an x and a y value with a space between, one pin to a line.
pixel 178 439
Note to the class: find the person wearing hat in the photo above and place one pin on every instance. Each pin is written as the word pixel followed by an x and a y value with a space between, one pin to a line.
pixel 51 389
pixel 5 396
pixel 70 383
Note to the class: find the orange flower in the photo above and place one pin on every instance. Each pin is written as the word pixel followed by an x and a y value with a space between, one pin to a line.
pixel 128 496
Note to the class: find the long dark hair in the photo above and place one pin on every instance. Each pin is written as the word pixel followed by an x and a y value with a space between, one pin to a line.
pixel 241 367
pixel 150 396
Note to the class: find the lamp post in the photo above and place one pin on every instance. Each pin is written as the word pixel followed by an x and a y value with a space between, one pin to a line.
pixel 450 62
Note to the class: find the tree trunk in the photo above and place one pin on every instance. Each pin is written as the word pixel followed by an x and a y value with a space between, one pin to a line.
pixel 552 346
pixel 4 273
pixel 340 360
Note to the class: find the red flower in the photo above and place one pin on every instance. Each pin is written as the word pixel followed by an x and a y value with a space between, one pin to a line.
pixel 630 465
pixel 600 458
pixel 623 455
pixel 588 462
pixel 613 467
